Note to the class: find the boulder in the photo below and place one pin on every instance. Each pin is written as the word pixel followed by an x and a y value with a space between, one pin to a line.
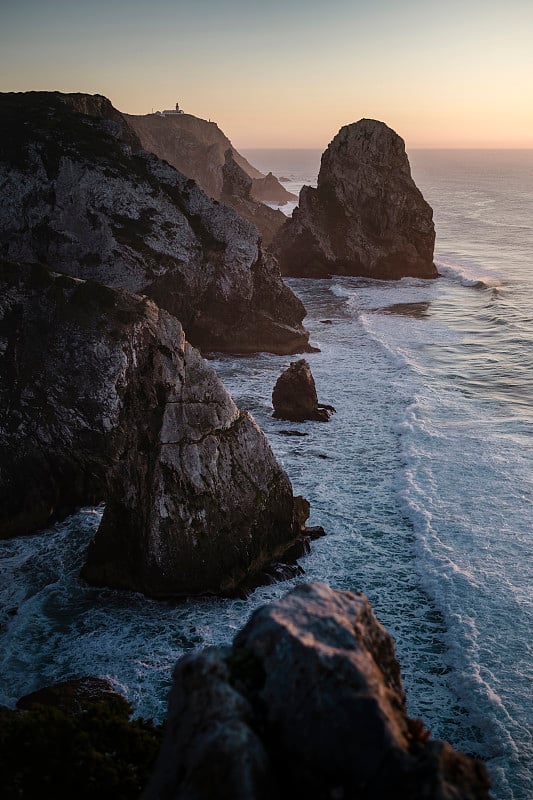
pixel 294 397
pixel 102 398
pixel 78 195
pixel 366 217
pixel 307 702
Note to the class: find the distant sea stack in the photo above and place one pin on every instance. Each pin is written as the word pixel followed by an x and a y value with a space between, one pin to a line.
pixel 366 217
pixel 102 398
pixel 80 195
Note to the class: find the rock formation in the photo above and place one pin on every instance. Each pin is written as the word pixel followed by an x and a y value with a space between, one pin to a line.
pixel 270 190
pixel 307 702
pixel 74 195
pixel 197 148
pixel 294 397
pixel 101 398
pixel 366 216
pixel 236 193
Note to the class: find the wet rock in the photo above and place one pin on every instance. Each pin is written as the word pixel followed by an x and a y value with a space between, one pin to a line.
pixel 294 397
pixel 307 702
pixel 78 195
pixel 366 217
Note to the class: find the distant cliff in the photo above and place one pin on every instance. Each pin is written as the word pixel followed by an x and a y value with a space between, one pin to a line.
pixel 197 148
pixel 78 194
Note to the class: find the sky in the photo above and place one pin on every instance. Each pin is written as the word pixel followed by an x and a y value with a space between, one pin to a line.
pixel 456 73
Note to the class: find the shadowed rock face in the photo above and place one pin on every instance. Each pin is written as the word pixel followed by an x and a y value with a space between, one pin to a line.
pixel 294 397
pixel 101 398
pixel 75 196
pixel 308 702
pixel 366 217
pixel 237 190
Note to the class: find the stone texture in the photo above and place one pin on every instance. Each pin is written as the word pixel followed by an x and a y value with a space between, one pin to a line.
pixel 294 396
pixel 197 147
pixel 75 195
pixel 308 702
pixel 101 398
pixel 366 217
pixel 237 194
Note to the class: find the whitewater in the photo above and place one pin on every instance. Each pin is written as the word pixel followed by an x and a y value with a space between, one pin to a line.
pixel 423 481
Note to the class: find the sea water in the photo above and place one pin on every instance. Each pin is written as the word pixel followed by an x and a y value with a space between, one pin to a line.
pixel 423 480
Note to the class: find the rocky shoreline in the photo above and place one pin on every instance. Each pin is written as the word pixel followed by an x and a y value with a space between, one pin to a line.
pixel 116 273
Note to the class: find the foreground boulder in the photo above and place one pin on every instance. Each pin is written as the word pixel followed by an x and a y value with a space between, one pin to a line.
pixel 101 398
pixel 77 194
pixel 308 702
pixel 294 397
pixel 366 217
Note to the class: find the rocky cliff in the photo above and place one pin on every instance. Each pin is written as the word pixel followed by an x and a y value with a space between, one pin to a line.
pixel 197 148
pixel 76 194
pixel 236 193
pixel 101 398
pixel 366 216
pixel 308 702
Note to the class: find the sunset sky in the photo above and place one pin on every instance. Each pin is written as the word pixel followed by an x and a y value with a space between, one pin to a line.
pixel 289 74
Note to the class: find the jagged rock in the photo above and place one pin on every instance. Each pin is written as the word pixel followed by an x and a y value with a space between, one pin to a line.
pixel 270 190
pixel 74 195
pixel 366 216
pixel 294 397
pixel 307 702
pixel 198 148
pixel 101 398
pixel 236 193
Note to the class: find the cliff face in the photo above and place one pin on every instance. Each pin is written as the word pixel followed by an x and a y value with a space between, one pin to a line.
pixel 366 216
pixel 74 195
pixel 197 148
pixel 101 398
pixel 237 187
pixel 308 702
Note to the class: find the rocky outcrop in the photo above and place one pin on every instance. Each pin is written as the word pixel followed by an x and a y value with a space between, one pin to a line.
pixel 74 195
pixel 270 190
pixel 236 193
pixel 366 217
pixel 101 398
pixel 294 397
pixel 307 702
pixel 197 147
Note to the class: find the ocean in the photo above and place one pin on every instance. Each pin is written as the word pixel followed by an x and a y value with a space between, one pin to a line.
pixel 423 481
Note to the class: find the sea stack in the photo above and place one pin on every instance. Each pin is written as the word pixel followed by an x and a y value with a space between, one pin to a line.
pixel 366 217
pixel 294 397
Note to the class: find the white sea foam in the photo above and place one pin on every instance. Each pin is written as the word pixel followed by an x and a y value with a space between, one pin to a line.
pixel 470 275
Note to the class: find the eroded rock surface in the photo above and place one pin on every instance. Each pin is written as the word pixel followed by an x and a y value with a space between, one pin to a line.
pixel 237 193
pixel 101 398
pixel 307 702
pixel 75 195
pixel 294 397
pixel 366 217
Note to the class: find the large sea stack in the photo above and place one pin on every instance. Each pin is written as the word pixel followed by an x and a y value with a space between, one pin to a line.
pixel 366 217
pixel 78 193
pixel 308 702
pixel 101 398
